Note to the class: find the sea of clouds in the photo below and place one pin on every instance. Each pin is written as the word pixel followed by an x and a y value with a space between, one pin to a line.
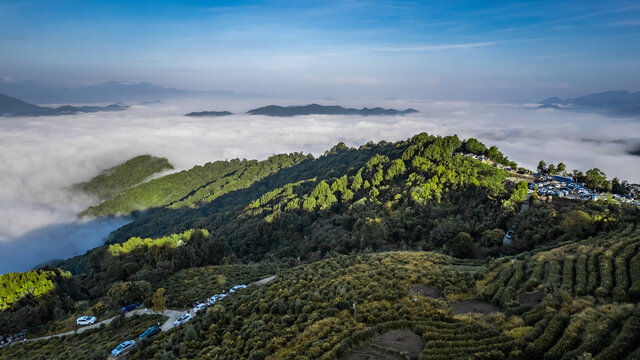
pixel 41 157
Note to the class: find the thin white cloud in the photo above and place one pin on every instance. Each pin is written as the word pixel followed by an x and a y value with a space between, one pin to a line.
pixel 570 19
pixel 632 22
pixel 455 46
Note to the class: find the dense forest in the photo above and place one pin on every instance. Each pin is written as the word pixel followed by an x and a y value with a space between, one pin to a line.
pixel 371 226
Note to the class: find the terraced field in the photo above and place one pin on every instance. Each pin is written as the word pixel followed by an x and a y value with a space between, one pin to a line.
pixel 589 295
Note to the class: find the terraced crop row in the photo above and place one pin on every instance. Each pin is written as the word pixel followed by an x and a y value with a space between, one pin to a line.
pixel 443 340
pixel 606 332
pixel 608 269
pixel 598 310
pixel 465 341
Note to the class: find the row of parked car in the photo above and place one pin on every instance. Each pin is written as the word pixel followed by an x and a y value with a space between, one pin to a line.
pixel 149 333
pixel 11 338
pixel 90 320
pixel 184 318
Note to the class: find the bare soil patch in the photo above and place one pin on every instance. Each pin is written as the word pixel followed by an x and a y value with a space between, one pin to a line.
pixel 392 345
pixel 557 203
pixel 426 291
pixel 531 298
pixel 368 352
pixel 473 306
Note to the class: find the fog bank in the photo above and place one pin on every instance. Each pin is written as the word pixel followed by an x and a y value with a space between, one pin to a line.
pixel 41 157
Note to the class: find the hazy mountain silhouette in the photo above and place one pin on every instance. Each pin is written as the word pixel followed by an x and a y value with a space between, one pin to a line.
pixel 10 106
pixel 112 91
pixel 619 102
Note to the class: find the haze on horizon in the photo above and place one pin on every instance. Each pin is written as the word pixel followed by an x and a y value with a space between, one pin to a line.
pixel 472 50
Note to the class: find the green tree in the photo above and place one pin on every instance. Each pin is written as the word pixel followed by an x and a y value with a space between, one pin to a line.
pixel 159 302
pixel 542 167
pixel 127 292
pixel 99 309
pixel 597 180
pixel 561 168
pixel 461 246
pixel 492 237
pixel 578 223
pixel 619 187
pixel 475 147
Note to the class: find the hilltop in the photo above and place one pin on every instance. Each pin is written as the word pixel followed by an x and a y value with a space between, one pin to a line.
pixel 315 109
pixel 119 178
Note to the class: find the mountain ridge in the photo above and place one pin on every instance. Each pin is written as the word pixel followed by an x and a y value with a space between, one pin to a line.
pixel 209 113
pixel 316 109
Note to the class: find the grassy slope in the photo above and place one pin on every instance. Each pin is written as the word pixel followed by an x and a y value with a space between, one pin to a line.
pixel 115 180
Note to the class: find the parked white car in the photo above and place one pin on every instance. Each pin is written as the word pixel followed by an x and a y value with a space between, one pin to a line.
pixel 86 320
pixel 182 319
pixel 236 288
pixel 199 307
pixel 213 299
pixel 122 348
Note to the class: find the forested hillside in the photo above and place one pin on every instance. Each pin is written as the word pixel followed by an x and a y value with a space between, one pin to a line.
pixel 200 185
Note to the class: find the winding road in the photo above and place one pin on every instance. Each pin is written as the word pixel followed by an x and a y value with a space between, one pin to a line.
pixel 172 315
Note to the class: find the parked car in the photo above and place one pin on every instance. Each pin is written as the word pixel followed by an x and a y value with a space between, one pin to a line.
pixel 213 299
pixel 237 287
pixel 154 330
pixel 182 319
pixel 130 307
pixel 199 307
pixel 122 348
pixel 86 320
pixel 509 234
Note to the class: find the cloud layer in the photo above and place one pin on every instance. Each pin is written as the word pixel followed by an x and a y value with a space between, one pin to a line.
pixel 42 157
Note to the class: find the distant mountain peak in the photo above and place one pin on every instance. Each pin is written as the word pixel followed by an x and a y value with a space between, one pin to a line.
pixel 616 102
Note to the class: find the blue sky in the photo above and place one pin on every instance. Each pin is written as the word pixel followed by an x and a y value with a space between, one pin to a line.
pixel 486 50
